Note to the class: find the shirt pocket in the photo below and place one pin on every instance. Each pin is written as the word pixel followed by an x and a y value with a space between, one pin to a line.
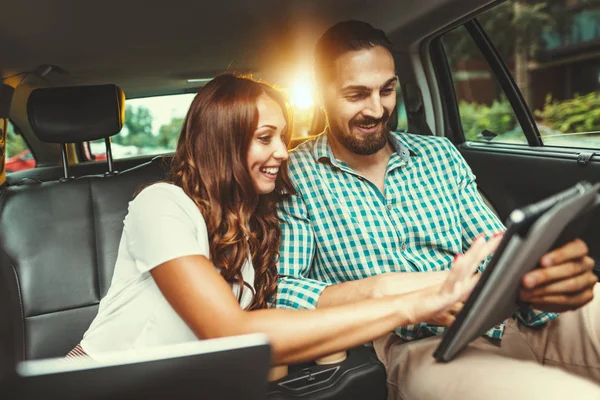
pixel 433 209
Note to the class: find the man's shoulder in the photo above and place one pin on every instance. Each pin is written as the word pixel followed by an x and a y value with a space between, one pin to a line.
pixel 302 156
pixel 422 144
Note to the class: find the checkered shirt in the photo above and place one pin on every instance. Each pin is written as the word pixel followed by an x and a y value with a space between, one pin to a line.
pixel 341 227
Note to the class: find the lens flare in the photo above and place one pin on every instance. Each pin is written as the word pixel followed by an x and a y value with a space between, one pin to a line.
pixel 301 93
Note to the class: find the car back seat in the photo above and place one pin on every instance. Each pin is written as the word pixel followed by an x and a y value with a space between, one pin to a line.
pixel 59 243
pixel 59 239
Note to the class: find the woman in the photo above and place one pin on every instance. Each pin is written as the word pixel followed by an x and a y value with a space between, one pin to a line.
pixel 198 255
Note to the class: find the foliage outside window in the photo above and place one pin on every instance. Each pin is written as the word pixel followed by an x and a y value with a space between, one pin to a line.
pixel 18 155
pixel 152 126
pixel 14 142
pixel 551 49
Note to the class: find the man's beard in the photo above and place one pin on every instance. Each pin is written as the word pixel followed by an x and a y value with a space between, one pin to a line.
pixel 363 145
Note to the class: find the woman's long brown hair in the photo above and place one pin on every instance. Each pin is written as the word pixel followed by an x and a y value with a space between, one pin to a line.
pixel 211 167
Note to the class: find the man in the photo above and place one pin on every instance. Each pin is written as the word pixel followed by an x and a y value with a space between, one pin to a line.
pixel 379 212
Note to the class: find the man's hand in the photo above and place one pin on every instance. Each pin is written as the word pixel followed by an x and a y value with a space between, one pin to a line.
pixel 564 281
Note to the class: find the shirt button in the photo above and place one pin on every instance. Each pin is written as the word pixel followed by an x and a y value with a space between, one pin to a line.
pixel 389 206
pixel 403 246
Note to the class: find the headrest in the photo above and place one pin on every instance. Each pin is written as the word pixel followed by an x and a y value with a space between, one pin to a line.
pixel 76 113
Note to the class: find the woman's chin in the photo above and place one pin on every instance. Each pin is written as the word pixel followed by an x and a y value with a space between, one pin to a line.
pixel 266 189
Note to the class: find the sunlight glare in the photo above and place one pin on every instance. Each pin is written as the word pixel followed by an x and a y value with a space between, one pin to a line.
pixel 301 93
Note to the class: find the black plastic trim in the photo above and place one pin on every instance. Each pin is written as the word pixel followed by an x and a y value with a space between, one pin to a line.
pixel 502 73
pixel 452 122
pixel 543 151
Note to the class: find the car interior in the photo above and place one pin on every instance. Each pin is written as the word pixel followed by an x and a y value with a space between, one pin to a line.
pixel 68 70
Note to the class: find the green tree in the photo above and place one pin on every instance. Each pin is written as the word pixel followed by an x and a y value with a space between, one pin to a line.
pixel 14 142
pixel 138 125
pixel 169 134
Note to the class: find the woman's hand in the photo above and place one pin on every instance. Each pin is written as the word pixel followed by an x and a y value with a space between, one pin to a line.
pixel 441 303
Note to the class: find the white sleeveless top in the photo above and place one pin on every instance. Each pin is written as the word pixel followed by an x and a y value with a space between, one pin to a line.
pixel 162 224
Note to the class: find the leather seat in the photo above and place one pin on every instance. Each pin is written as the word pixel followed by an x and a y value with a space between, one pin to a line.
pixel 59 239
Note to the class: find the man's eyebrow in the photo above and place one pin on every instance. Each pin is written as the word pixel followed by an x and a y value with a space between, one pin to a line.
pixel 361 88
pixel 390 81
pixel 356 88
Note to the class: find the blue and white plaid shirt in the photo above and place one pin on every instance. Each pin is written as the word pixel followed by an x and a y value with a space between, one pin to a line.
pixel 340 227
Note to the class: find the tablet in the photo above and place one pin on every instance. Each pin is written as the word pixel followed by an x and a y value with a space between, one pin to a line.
pixel 531 232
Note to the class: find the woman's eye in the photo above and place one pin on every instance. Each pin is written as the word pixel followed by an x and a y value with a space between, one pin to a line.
pixel 265 139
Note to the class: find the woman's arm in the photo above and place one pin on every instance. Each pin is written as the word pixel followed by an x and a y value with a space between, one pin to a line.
pixel 206 303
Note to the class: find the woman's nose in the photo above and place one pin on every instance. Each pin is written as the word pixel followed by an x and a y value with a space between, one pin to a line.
pixel 281 152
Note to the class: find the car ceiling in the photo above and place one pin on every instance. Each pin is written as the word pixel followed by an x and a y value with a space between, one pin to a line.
pixel 155 47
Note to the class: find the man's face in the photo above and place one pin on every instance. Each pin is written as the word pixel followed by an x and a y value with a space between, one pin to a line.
pixel 359 99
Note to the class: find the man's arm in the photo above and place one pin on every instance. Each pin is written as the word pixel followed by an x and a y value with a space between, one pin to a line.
pixel 294 288
pixel 388 284
pixel 475 216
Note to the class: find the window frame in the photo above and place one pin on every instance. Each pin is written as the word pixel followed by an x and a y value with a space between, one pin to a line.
pixel 452 119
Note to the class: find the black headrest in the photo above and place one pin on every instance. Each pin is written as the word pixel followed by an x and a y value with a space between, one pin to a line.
pixel 76 113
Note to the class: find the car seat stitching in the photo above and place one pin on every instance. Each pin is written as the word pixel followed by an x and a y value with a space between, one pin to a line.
pixel 22 322
pixel 96 255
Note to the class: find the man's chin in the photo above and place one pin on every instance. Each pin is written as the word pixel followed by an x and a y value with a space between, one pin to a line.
pixel 367 147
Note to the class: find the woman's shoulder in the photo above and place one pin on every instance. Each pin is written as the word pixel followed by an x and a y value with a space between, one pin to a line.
pixel 163 196
pixel 165 190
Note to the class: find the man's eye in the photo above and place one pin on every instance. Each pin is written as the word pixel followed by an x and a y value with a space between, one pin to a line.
pixel 354 97
pixel 387 91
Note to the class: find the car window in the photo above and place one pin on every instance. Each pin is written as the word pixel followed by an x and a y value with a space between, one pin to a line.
pixel 152 126
pixel 485 113
pixel 549 50
pixel 18 155
pixel 555 66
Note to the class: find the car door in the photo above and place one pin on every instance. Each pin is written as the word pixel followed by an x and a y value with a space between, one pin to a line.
pixel 519 155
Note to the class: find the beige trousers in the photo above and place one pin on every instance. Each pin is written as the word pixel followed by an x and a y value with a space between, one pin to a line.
pixel 560 360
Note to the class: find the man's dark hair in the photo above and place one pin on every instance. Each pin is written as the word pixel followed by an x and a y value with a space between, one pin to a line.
pixel 344 37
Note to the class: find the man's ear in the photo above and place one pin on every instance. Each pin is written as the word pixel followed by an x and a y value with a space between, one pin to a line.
pixel 319 120
pixel 319 102
pixel 317 92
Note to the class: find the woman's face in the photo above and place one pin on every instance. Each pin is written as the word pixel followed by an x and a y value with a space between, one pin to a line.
pixel 267 149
